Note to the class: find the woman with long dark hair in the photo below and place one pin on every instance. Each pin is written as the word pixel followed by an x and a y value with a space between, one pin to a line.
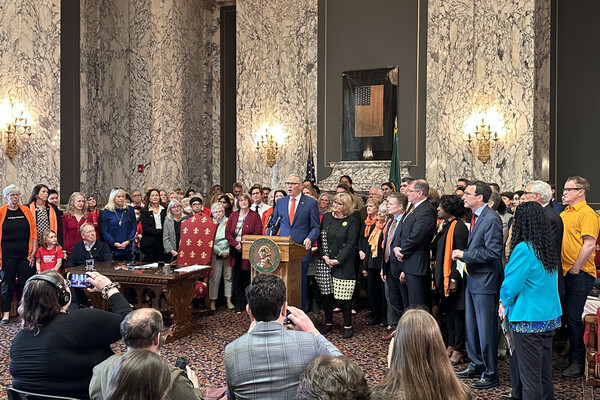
pixel 452 234
pixel 55 350
pixel 226 201
pixel 419 368
pixel 529 298
pixel 152 217
pixel 46 215
pixel 140 374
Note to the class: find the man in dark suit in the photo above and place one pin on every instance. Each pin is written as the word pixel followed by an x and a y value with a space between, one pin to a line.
pixel 411 246
pixel 483 259
pixel 390 273
pixel 298 217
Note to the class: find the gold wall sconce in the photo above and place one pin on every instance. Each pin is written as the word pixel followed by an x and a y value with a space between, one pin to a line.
pixel 269 141
pixel 16 126
pixel 484 135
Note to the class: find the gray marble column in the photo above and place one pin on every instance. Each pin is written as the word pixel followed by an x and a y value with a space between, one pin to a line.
pixel 30 75
pixel 277 84
pixel 484 54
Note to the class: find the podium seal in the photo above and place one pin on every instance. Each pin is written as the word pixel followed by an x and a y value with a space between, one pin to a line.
pixel 264 256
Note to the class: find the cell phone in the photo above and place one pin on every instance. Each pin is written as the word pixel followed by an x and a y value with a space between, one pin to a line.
pixel 80 281
pixel 286 320
pixel 182 362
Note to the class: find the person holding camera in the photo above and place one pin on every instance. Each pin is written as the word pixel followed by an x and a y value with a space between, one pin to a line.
pixel 141 330
pixel 266 363
pixel 55 351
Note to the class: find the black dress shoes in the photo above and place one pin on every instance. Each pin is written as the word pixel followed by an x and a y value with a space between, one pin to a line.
pixel 484 383
pixel 575 370
pixel 468 373
pixel 508 396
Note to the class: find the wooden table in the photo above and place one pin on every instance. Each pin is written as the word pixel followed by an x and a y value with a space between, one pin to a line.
pixel 178 289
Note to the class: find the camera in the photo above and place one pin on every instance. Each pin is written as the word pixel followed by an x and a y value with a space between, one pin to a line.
pixel 80 281
pixel 286 320
pixel 182 362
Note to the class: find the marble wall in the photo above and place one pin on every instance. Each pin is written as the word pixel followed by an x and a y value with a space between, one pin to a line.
pixel 30 75
pixel 150 93
pixel 277 84
pixel 483 54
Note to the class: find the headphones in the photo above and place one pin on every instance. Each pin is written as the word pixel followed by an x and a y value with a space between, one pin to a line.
pixel 63 294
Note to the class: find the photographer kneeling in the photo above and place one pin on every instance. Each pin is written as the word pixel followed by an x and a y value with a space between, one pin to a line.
pixel 55 350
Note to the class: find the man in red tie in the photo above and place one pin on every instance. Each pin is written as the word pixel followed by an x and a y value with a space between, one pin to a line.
pixel 483 259
pixel 298 217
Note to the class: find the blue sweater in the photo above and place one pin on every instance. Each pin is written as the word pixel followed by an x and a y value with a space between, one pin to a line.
pixel 529 292
pixel 113 233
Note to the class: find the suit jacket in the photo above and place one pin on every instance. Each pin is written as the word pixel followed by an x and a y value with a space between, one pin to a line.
pixel 342 236
pixel 415 237
pixel 306 219
pixel 556 224
pixel 393 266
pixel 100 252
pixel 150 235
pixel 483 255
pixel 266 363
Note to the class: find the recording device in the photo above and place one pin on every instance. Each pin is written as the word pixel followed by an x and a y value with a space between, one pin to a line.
pixel 182 362
pixel 286 320
pixel 269 221
pixel 275 226
pixel 80 281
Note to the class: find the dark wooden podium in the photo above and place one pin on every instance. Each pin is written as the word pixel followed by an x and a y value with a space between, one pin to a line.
pixel 290 264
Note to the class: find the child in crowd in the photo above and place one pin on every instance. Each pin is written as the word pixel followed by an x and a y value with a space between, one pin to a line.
pixel 50 254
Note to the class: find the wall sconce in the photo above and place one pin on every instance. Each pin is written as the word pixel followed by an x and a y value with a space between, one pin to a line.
pixel 269 142
pixel 483 136
pixel 17 124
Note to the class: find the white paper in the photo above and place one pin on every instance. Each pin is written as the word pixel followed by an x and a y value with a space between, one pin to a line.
pixel 460 267
pixel 191 268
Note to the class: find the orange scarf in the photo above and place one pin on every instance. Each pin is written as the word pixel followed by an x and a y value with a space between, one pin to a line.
pixel 375 235
pixel 448 257
pixel 368 223
pixel 51 217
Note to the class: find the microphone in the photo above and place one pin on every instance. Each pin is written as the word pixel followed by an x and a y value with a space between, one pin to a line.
pixel 275 227
pixel 269 221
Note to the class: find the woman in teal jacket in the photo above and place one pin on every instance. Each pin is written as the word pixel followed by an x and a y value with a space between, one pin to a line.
pixel 529 299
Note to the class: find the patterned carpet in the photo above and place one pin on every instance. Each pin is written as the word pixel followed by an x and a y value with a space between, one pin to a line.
pixel 206 351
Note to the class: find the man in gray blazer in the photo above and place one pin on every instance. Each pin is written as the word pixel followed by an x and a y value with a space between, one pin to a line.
pixel 266 363
pixel 483 259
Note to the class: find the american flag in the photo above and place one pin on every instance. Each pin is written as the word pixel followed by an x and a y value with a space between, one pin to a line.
pixel 368 111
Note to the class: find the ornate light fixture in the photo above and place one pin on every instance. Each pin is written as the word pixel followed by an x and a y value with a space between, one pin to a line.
pixel 269 142
pixel 17 126
pixel 484 136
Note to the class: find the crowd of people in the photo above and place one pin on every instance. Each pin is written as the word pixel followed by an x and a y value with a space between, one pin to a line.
pixel 444 275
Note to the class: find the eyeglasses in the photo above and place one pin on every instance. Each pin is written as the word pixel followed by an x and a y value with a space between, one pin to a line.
pixel 14 194
pixel 292 183
pixel 571 189
pixel 524 193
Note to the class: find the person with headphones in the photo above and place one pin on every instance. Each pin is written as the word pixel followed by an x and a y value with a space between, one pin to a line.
pixel 55 350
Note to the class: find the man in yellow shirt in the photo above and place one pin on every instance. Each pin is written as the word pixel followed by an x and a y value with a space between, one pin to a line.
pixel 581 226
